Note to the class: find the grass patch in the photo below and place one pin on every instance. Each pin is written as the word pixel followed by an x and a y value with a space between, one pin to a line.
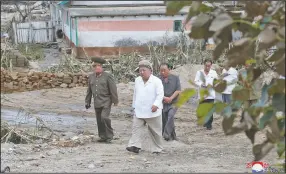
pixel 32 51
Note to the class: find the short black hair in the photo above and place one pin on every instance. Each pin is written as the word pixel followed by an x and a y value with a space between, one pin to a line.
pixel 208 60
pixel 166 64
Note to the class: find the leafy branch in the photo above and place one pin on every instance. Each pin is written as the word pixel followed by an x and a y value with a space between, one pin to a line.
pixel 211 21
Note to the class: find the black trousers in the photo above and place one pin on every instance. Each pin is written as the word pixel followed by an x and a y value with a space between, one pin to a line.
pixel 168 130
pixel 105 130
pixel 208 124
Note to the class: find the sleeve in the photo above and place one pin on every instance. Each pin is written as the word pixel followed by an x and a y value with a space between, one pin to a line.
pixel 232 78
pixel 134 95
pixel 178 87
pixel 112 89
pixel 215 75
pixel 89 92
pixel 223 71
pixel 159 94
pixel 198 79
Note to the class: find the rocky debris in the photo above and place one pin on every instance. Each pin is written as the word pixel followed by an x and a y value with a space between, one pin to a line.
pixel 14 81
pixel 74 141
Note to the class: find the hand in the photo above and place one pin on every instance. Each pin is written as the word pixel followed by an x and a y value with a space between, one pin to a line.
pixel 167 100
pixel 154 108
pixel 132 111
pixel 203 86
pixel 225 74
pixel 87 106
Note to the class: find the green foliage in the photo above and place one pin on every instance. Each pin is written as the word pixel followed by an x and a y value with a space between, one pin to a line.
pixel 185 96
pixel 32 51
pixel 257 37
pixel 204 111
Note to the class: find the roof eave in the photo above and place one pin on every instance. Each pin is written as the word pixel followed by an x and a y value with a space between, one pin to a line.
pixel 113 15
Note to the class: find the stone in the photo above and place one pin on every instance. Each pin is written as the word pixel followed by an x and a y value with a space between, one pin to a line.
pixel 8 85
pixel 30 73
pixel 91 166
pixel 74 80
pixel 35 78
pixel 72 85
pixel 49 75
pixel 14 75
pixel 60 75
pixel 67 80
pixel 35 85
pixel 63 85
pixel 53 152
pixel 45 78
pixel 25 80
pixel 75 138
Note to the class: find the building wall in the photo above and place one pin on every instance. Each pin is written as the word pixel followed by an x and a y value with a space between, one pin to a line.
pixel 126 31
pixel 68 26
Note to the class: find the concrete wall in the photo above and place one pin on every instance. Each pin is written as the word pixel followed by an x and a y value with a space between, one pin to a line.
pixel 126 31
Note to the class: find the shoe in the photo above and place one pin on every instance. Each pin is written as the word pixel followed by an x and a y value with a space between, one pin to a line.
pixel 101 140
pixel 108 140
pixel 166 139
pixel 133 149
pixel 209 128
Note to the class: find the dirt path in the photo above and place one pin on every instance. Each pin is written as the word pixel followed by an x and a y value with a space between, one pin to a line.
pixel 197 150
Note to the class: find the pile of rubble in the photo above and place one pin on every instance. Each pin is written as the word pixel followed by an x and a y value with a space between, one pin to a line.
pixel 16 81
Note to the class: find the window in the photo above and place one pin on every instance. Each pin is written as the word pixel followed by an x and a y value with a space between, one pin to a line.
pixel 177 25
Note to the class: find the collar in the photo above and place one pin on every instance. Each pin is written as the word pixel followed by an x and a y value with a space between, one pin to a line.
pixel 150 80
pixel 210 72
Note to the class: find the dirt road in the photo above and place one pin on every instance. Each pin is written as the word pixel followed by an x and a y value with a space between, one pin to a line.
pixel 63 110
pixel 197 150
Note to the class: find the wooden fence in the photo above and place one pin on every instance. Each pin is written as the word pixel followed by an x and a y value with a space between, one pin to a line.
pixel 34 32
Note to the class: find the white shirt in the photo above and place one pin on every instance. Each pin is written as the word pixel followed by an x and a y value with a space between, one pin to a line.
pixel 208 80
pixel 146 95
pixel 230 79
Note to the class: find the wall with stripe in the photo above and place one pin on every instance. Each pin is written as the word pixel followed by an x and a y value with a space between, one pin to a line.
pixel 126 31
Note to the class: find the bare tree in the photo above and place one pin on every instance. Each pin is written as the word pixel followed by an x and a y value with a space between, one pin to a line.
pixel 29 7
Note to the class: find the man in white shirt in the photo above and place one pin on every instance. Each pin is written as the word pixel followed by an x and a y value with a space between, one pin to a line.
pixel 230 75
pixel 204 78
pixel 148 104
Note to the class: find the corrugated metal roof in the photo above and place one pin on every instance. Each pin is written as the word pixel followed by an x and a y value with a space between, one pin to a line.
pixel 62 2
pixel 121 11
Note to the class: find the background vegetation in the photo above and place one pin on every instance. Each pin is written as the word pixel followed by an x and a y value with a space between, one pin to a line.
pixel 262 26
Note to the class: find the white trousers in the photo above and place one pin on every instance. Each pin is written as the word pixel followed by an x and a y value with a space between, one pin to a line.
pixel 154 129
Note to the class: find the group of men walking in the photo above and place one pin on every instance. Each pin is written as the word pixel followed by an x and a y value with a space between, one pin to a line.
pixel 153 101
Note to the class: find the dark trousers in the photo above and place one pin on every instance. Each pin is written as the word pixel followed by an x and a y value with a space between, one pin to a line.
pixel 226 98
pixel 168 130
pixel 208 124
pixel 105 130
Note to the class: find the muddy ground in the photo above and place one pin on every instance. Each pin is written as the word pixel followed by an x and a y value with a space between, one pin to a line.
pixel 197 150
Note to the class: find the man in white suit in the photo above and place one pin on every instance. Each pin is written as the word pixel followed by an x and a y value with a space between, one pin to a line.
pixel 204 78
pixel 148 104
pixel 230 75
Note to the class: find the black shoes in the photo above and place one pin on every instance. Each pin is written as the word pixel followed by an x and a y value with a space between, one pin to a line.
pixel 133 149
pixel 102 140
pixel 208 127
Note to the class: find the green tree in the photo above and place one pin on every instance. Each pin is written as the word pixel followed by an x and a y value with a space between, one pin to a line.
pixel 212 20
